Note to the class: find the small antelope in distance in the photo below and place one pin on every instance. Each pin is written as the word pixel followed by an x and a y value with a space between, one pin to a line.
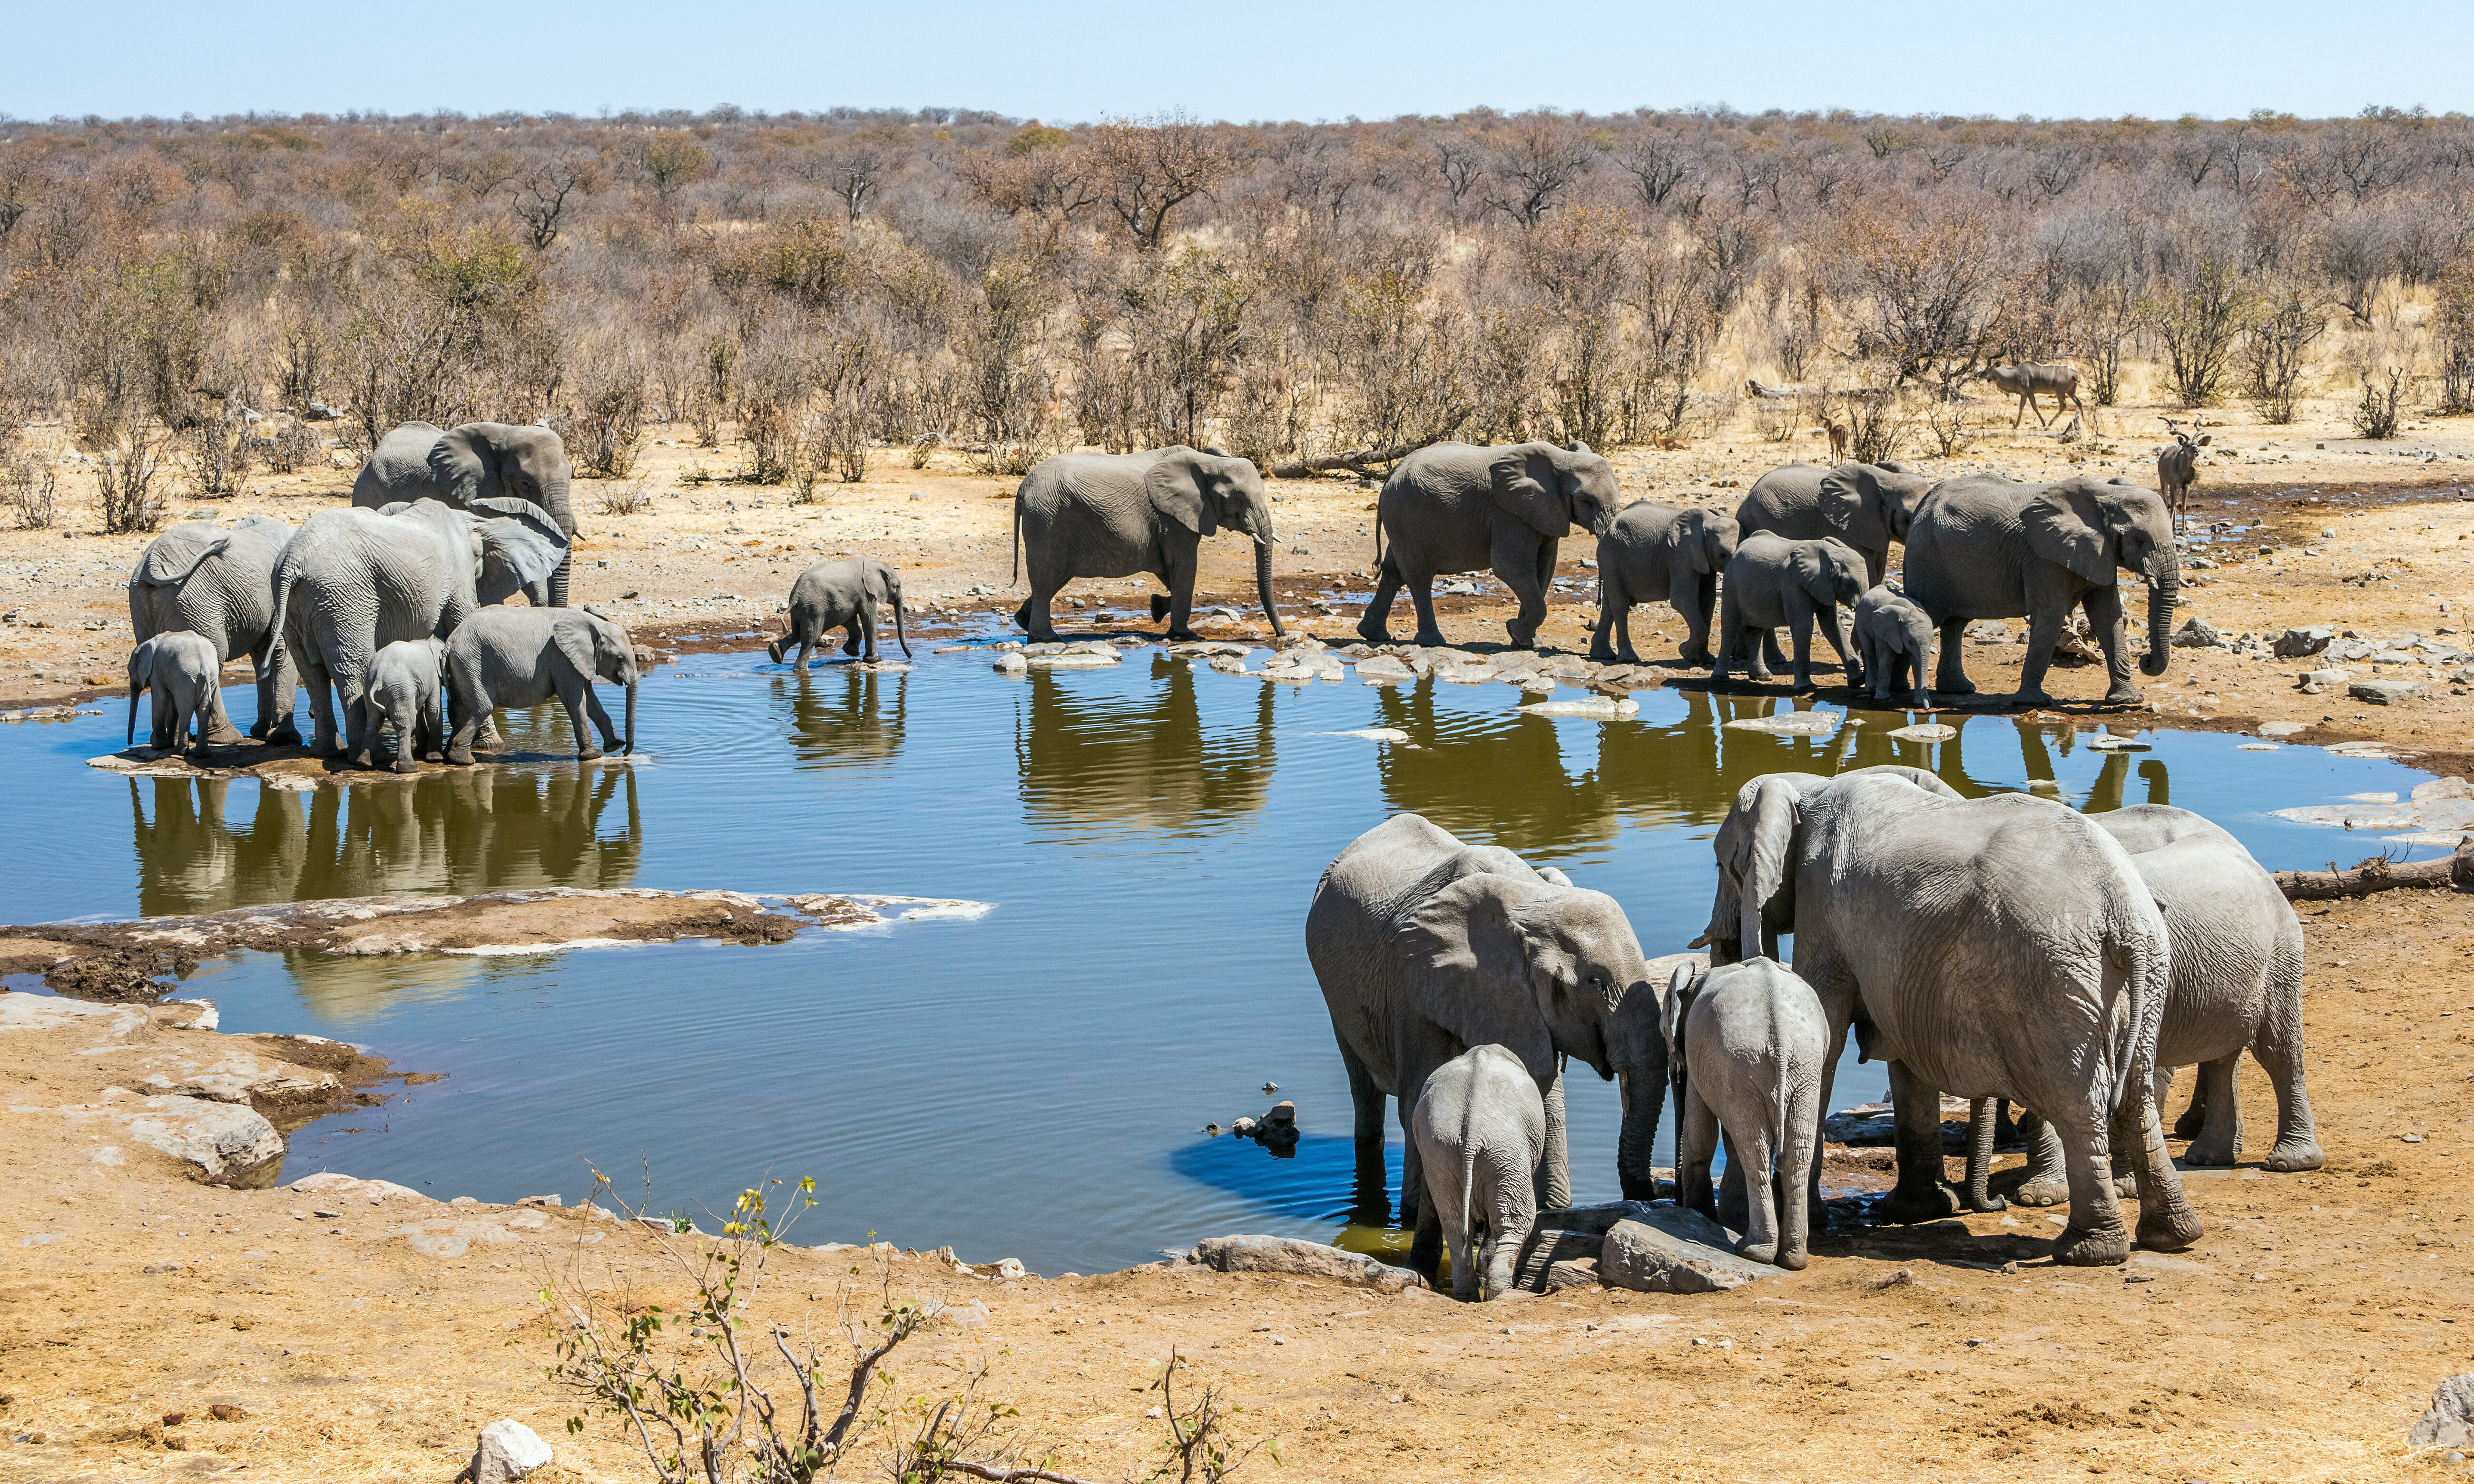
pixel 1836 428
pixel 2024 382
pixel 2177 470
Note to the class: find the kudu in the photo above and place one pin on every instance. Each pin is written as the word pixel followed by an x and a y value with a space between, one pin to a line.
pixel 2177 470
pixel 2058 380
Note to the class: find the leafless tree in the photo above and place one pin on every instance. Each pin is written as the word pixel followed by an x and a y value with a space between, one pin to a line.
pixel 1538 159
pixel 542 195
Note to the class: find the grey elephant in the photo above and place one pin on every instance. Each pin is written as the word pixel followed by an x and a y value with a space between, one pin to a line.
pixel 843 594
pixel 1745 1045
pixel 1457 508
pixel 351 581
pixel 1984 546
pixel 519 656
pixel 185 675
pixel 1115 514
pixel 1894 643
pixel 471 463
pixel 1480 1132
pixel 1651 549
pixel 1868 506
pixel 1987 947
pixel 1425 946
pixel 403 688
pixel 1772 581
pixel 220 585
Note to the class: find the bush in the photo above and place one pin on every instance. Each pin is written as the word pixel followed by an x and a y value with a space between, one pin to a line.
pixel 1945 419
pixel 2375 415
pixel 610 420
pixel 628 499
pixel 2277 353
pixel 217 458
pixel 2452 341
pixel 772 445
pixel 293 447
pixel 2198 321
pixel 125 473
pixel 30 488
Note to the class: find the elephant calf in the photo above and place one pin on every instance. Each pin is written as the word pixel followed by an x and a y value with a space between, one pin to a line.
pixel 185 674
pixel 1747 1043
pixel 1480 1130
pixel 1772 581
pixel 1652 549
pixel 404 690
pixel 846 596
pixel 524 655
pixel 1894 640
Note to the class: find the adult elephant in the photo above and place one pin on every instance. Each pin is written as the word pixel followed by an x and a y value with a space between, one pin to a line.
pixel 474 462
pixel 221 585
pixel 1653 548
pixel 1990 947
pixel 1984 546
pixel 1868 506
pixel 351 581
pixel 1426 946
pixel 1456 507
pixel 1115 514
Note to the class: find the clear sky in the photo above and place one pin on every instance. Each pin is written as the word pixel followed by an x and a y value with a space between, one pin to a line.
pixel 1252 60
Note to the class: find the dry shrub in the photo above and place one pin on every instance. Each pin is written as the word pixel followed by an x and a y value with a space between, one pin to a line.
pixel 125 469
pixel 610 420
pixel 294 447
pixel 2377 414
pixel 30 490
pixel 627 499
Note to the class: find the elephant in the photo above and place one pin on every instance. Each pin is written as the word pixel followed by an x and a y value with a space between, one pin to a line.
pixel 1984 546
pixel 404 687
pixel 1456 507
pixel 1894 643
pixel 1654 548
pixel 471 464
pixel 220 585
pixel 185 674
pixel 1114 514
pixel 352 581
pixel 1745 1044
pixel 1868 506
pixel 2003 946
pixel 518 657
pixel 843 594
pixel 2235 983
pixel 1425 946
pixel 1772 581
pixel 1480 1132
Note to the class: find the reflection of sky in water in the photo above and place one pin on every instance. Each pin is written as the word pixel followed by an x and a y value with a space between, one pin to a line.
pixel 1033 1084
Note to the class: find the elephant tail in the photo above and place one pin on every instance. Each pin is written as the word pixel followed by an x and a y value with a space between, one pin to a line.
pixel 1468 1182
pixel 2149 974
pixel 286 573
pixel 1378 533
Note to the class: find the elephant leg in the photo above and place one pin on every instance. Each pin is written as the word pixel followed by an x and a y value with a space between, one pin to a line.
pixel 2277 1047
pixel 855 638
pixel 1554 1172
pixel 1696 1143
pixel 2218 1140
pixel 1803 1132
pixel 1980 1119
pixel 1799 628
pixel 1832 629
pixel 1182 567
pixel 1611 637
pixel 1421 593
pixel 1433 1236
pixel 2043 629
pixel 2165 1221
pixel 1526 567
pixel 1034 615
pixel 1372 1198
pixel 1507 1232
pixel 158 726
pixel 321 707
pixel 593 708
pixel 2095 1236
pixel 2103 608
pixel 1696 620
pixel 1771 655
pixel 571 695
pixel 214 722
pixel 2047 1182
pixel 1920 1194
pixel 1374 625
pixel 1952 679
pixel 471 711
pixel 1759 1165
pixel 1734 1201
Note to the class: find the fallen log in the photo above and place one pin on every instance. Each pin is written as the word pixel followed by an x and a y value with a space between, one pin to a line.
pixel 2454 872
pixel 1356 459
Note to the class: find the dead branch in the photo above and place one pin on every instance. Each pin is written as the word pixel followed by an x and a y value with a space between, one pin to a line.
pixel 1357 459
pixel 2455 871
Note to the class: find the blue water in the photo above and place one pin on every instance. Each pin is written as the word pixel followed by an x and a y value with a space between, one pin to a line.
pixel 1031 1083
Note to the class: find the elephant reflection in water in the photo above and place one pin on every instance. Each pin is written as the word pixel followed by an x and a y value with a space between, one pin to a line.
pixel 456 832
pixel 844 714
pixel 1506 784
pixel 1144 758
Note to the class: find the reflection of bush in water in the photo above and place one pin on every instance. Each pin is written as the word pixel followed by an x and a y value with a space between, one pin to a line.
pixel 1146 758
pixel 457 831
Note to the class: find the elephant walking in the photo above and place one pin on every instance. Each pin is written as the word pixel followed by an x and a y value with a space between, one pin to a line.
pixel 1653 548
pixel 846 595
pixel 518 657
pixel 472 462
pixel 1868 506
pixel 1480 1132
pixel 1772 581
pixel 1425 946
pixel 1457 508
pixel 220 585
pixel 1102 514
pixel 1984 546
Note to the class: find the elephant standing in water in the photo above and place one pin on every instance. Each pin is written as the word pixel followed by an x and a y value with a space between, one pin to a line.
pixel 1772 581
pixel 185 675
pixel 1655 548
pixel 1457 508
pixel 1868 506
pixel 1425 946
pixel 848 594
pixel 1984 546
pixel 521 656
pixel 1115 514
pixel 221 585
pixel 471 464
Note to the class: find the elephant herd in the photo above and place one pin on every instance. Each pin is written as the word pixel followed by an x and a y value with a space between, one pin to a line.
pixel 373 608
pixel 1998 949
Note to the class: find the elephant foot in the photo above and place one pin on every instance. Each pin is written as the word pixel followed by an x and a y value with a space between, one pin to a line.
pixel 286 736
pixel 1373 633
pixel 1522 640
pixel 2042 1190
pixel 1986 1204
pixel 1794 1259
pixel 2193 1120
pixel 1920 702
pixel 1801 684
pixel 1182 635
pixel 2211 1153
pixel 1431 639
pixel 1600 654
pixel 2030 698
pixel 2171 1229
pixel 460 757
pixel 406 765
pixel 2078 1246
pixel 587 755
pixel 1914 1205
pixel 1756 1251
pixel 222 736
pixel 2301 1153
pixel 1960 685
pixel 2125 1186
pixel 2125 694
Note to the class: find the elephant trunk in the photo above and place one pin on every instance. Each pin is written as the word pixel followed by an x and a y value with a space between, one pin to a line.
pixel 135 691
pixel 1644 1097
pixel 905 638
pixel 558 581
pixel 1263 580
pixel 2164 591
pixel 628 749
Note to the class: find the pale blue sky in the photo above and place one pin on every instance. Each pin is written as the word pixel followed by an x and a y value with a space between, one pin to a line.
pixel 1253 60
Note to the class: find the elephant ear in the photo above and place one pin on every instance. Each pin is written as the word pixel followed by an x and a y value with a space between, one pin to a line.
pixel 1809 561
pixel 518 548
pixel 1688 537
pixel 1175 492
pixel 462 468
pixel 1526 485
pixel 1466 961
pixel 1844 493
pixel 2066 525
pixel 1753 844
pixel 397 507
pixel 574 641
pixel 1683 987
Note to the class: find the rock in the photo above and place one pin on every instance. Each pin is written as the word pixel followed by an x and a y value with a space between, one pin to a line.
pixel 1791 724
pixel 1010 664
pixel 1305 1259
pixel 2295 644
pixel 2330 677
pixel 1391 734
pixel 2385 692
pixel 2441 788
pixel 2450 1421
pixel 508 1450
pixel 1674 1250
pixel 1926 731
pixel 1987 632
pixel 223 1143
pixel 1572 1273
pixel 1604 708
pixel 1228 664
pixel 2282 729
pixel 2196 634
pixel 1006 1267
pixel 1383 670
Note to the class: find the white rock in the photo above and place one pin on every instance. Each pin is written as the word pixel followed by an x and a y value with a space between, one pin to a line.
pixel 1926 731
pixel 2450 1421
pixel 1604 708
pixel 1391 734
pixel 1789 723
pixel 226 1143
pixel 508 1450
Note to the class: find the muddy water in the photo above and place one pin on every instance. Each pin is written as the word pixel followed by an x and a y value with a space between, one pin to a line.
pixel 1031 1083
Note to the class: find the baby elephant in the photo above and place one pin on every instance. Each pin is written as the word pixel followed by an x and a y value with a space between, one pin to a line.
pixel 1773 581
pixel 185 674
pixel 844 595
pixel 524 655
pixel 404 690
pixel 1480 1129
pixel 1657 550
pixel 1894 643
pixel 1747 1044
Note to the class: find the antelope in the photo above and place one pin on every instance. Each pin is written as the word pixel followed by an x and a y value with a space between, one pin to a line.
pixel 2024 382
pixel 2177 470
pixel 1837 431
